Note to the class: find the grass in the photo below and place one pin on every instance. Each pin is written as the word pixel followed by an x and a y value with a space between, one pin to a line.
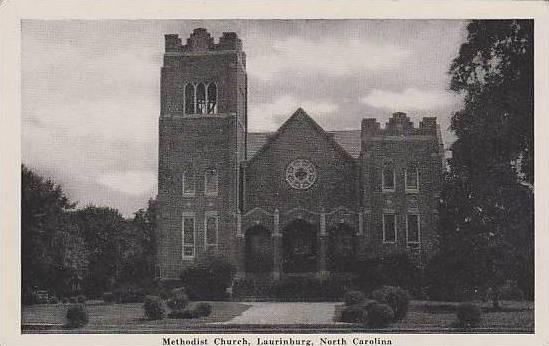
pixel 127 317
pixel 440 316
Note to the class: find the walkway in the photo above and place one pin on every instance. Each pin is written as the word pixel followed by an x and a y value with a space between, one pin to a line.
pixel 286 313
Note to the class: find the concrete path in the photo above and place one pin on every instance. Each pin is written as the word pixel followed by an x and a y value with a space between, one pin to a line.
pixel 286 313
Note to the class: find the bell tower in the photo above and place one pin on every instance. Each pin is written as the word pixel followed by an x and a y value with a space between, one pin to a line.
pixel 202 141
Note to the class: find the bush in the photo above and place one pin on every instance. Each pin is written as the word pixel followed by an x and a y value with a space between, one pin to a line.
pixel 81 299
pixel 203 309
pixel 108 297
pixel 185 313
pixel 53 300
pixel 65 300
pixel 397 298
pixel 468 315
pixel 72 300
pixel 354 314
pixel 208 281
pixel 77 316
pixel 129 294
pixel 379 315
pixel 256 288
pixel 154 308
pixel 353 297
pixel 178 299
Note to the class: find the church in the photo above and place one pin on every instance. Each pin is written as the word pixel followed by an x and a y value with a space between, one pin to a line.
pixel 299 201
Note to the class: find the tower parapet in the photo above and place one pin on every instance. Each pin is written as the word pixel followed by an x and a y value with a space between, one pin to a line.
pixel 200 40
pixel 398 125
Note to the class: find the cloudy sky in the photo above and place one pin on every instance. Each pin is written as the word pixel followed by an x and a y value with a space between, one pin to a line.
pixel 90 89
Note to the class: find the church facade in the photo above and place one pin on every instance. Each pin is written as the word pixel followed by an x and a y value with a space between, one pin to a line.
pixel 298 201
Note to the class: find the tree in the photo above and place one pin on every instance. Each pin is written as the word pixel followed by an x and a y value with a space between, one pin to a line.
pixel 487 201
pixel 43 204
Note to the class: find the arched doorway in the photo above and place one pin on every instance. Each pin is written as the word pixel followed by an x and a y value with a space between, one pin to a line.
pixel 341 249
pixel 299 247
pixel 259 250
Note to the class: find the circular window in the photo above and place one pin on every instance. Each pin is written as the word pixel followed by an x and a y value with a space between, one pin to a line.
pixel 301 174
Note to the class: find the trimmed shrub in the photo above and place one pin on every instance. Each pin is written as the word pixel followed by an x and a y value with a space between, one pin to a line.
pixel 353 297
pixel 77 316
pixel 154 308
pixel 397 298
pixel 354 314
pixel 379 315
pixel 178 299
pixel 72 300
pixel 396 269
pixel 202 309
pixel 252 288
pixel 468 315
pixel 108 297
pixel 81 299
pixel 208 281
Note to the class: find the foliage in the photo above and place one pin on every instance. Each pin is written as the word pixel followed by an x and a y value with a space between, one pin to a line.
pixel 379 315
pixel 209 280
pixel 487 223
pixel 178 299
pixel 72 300
pixel 129 293
pixel 77 316
pixel 397 298
pixel 81 298
pixel 250 287
pixel 154 308
pixel 353 297
pixel 354 314
pixel 203 308
pixel 468 315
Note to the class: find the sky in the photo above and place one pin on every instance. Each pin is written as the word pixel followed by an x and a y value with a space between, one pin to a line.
pixel 91 89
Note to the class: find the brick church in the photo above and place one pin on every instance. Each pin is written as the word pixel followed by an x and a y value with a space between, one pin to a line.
pixel 298 201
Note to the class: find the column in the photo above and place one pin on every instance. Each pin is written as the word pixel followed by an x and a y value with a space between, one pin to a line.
pixel 322 272
pixel 277 246
pixel 240 248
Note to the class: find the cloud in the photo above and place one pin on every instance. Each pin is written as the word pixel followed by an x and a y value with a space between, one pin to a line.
pixel 410 99
pixel 268 116
pixel 130 182
pixel 299 56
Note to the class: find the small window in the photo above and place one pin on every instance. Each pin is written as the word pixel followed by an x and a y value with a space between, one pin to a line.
pixel 212 98
pixel 411 178
pixel 187 182
pixel 412 229
pixel 211 226
pixel 188 236
pixel 389 228
pixel 210 182
pixel 388 177
pixel 189 99
pixel 201 98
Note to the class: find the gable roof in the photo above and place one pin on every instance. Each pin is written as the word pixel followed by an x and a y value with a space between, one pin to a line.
pixel 347 142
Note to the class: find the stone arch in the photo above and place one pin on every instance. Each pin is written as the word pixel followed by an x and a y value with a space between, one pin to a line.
pixel 258 250
pixel 300 247
pixel 342 249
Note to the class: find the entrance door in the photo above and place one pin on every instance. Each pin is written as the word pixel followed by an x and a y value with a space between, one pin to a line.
pixel 300 247
pixel 259 250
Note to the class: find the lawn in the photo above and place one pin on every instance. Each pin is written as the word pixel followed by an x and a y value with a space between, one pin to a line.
pixel 121 317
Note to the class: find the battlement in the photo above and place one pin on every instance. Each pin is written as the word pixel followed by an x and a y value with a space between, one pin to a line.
pixel 398 125
pixel 200 40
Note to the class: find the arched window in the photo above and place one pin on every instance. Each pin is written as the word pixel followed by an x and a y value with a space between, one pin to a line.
pixel 388 177
pixel 212 98
pixel 201 98
pixel 210 182
pixel 411 177
pixel 189 99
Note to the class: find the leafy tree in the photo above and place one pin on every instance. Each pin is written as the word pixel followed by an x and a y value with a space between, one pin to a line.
pixel 487 202
pixel 43 204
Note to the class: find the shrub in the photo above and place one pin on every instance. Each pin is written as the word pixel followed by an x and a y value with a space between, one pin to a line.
pixel 185 313
pixel 257 288
pixel 203 309
pixel 108 297
pixel 468 315
pixel 81 299
pixel 353 297
pixel 65 300
pixel 77 316
pixel 379 315
pixel 129 294
pixel 53 300
pixel 154 308
pixel 208 281
pixel 72 300
pixel 178 299
pixel 354 314
pixel 397 298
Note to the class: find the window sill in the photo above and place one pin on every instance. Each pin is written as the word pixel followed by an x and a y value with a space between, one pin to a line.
pixel 189 195
pixel 390 242
pixel 411 191
pixel 388 190
pixel 187 258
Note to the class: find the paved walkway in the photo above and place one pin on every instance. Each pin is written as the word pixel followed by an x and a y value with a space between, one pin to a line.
pixel 286 313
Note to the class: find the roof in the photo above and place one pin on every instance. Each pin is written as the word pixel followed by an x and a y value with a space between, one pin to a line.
pixel 347 139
